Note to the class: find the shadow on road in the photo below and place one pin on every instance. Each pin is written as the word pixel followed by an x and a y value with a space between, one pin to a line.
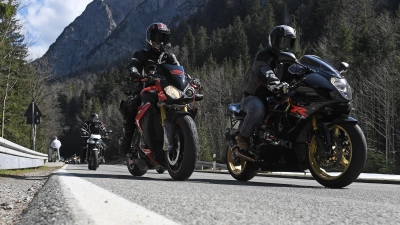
pixel 167 178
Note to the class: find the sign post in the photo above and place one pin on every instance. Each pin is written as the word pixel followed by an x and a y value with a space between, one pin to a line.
pixel 33 115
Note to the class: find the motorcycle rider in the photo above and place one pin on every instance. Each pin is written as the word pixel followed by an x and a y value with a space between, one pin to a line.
pixel 265 80
pixel 55 145
pixel 94 125
pixel 144 61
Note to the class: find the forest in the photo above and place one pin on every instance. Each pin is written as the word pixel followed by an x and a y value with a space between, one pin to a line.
pixel 217 45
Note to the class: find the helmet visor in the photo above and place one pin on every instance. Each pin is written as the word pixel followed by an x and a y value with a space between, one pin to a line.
pixel 285 43
pixel 160 37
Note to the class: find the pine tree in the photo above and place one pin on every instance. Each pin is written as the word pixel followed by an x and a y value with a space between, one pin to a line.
pixel 190 45
pixel 240 48
pixel 202 46
pixel 13 52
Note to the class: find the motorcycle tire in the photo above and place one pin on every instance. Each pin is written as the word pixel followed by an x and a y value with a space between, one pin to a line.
pixel 134 169
pixel 239 168
pixel 181 159
pixel 93 159
pixel 349 155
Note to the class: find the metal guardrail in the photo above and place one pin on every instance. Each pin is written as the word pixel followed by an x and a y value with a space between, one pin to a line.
pixel 14 156
pixel 201 165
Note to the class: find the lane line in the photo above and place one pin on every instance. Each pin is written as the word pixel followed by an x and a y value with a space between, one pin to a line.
pixel 104 207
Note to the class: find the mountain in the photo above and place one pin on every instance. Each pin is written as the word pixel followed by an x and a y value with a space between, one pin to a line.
pixel 108 31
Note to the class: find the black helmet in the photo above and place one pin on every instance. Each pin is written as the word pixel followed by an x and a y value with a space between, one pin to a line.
pixel 158 37
pixel 282 39
pixel 55 138
pixel 94 117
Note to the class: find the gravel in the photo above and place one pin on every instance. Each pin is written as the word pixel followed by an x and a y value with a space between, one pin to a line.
pixel 17 191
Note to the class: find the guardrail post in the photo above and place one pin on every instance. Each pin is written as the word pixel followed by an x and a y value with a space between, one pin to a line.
pixel 214 162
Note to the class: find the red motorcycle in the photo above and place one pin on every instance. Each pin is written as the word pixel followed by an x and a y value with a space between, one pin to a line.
pixel 166 137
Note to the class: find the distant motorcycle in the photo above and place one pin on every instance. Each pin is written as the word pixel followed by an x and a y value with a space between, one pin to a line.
pixel 76 160
pixel 95 148
pixel 307 127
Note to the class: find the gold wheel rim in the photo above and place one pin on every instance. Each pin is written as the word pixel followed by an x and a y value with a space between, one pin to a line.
pixel 345 153
pixel 235 168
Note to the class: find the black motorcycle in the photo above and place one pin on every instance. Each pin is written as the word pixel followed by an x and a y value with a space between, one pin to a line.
pixel 166 137
pixel 94 151
pixel 307 126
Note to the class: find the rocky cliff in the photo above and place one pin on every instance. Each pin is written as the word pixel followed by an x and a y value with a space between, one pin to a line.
pixel 108 31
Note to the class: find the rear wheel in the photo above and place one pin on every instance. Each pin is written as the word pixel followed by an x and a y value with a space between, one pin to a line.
pixel 181 159
pixel 134 168
pixel 239 168
pixel 345 159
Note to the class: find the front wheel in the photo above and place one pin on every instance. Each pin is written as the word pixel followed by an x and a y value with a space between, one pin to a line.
pixel 239 168
pixel 93 159
pixel 342 163
pixel 181 159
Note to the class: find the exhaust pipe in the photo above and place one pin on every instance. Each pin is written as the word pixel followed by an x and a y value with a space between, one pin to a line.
pixel 231 140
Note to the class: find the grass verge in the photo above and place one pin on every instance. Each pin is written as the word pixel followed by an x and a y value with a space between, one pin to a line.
pixel 17 172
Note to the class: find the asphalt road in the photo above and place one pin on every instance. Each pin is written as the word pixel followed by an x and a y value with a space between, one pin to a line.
pixel 111 195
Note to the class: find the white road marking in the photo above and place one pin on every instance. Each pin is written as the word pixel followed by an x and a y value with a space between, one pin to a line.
pixel 104 207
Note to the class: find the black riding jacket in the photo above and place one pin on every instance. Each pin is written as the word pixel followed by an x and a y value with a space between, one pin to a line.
pixel 266 72
pixel 144 60
pixel 96 127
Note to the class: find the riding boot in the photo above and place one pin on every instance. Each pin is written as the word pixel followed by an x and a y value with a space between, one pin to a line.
pixel 128 110
pixel 83 155
pixel 125 144
pixel 129 130
pixel 243 144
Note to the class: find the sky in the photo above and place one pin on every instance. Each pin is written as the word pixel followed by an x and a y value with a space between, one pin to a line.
pixel 44 20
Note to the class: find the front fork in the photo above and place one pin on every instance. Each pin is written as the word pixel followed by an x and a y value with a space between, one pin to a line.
pixel 168 128
pixel 323 137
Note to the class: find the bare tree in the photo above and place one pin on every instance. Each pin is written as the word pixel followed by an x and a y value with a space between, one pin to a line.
pixel 9 83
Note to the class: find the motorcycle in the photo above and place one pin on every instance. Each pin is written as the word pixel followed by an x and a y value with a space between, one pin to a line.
pixel 76 160
pixel 307 127
pixel 166 137
pixel 53 155
pixel 95 148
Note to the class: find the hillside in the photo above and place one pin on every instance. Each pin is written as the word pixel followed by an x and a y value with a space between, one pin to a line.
pixel 108 31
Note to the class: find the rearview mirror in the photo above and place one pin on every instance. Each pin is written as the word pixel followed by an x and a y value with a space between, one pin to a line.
pixel 343 67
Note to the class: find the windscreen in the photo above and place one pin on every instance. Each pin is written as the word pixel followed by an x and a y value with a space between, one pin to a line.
pixel 318 65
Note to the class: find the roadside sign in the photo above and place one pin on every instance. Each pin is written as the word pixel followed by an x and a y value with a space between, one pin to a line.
pixel 33 114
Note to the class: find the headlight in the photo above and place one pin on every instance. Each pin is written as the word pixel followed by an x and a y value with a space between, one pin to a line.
pixel 342 86
pixel 91 141
pixel 172 92
pixel 189 93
